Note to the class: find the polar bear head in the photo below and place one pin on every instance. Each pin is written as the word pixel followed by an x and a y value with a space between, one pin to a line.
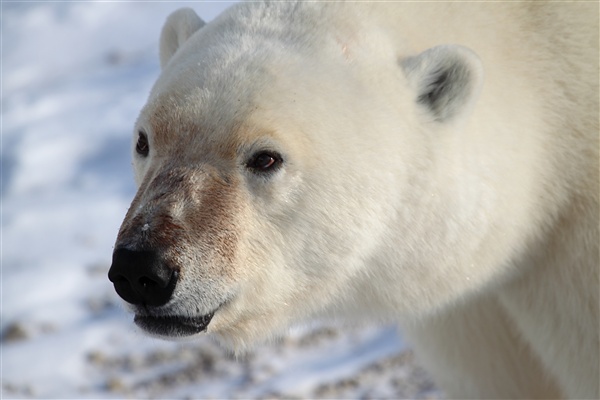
pixel 278 162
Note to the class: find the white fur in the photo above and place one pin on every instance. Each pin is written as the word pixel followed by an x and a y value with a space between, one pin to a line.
pixel 475 226
pixel 176 31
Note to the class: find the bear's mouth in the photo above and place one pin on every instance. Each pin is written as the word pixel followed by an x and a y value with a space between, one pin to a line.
pixel 173 326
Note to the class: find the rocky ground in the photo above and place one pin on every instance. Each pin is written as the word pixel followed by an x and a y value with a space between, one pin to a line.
pixel 162 373
pixel 305 364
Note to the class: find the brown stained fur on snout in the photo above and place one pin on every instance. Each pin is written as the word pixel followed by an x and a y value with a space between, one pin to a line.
pixel 191 216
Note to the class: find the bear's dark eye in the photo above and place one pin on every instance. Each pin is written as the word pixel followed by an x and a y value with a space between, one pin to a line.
pixel 142 147
pixel 264 161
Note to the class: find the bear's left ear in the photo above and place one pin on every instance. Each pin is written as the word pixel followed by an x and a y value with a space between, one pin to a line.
pixel 447 80
pixel 178 28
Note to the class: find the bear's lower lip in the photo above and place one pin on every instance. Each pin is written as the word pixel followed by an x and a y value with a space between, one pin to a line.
pixel 173 326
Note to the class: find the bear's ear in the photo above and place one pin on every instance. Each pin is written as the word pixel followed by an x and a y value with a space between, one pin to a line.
pixel 447 80
pixel 178 28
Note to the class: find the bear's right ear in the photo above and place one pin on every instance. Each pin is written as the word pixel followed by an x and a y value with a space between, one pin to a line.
pixel 178 28
pixel 447 80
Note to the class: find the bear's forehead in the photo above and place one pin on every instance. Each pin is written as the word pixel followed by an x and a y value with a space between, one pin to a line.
pixel 217 95
pixel 204 125
pixel 215 106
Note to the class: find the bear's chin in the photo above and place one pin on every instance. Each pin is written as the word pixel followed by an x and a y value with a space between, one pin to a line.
pixel 173 326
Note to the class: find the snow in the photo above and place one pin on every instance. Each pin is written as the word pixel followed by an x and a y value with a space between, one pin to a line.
pixel 74 77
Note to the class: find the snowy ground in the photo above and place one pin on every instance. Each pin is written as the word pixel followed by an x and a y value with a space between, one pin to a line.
pixel 74 76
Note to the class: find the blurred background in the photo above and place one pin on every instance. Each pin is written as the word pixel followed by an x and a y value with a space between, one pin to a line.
pixel 74 76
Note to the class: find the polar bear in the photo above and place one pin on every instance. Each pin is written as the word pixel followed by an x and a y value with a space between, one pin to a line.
pixel 434 164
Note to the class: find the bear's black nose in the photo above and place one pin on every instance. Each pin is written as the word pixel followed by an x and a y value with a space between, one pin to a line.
pixel 141 277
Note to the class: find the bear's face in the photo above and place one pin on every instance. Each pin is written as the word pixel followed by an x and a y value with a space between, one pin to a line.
pixel 243 204
pixel 267 180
